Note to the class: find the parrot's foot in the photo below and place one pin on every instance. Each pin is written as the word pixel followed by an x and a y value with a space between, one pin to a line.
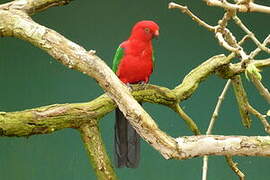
pixel 143 84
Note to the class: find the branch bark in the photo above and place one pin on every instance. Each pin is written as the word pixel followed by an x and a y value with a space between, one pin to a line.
pixel 97 152
pixel 246 6
pixel 223 145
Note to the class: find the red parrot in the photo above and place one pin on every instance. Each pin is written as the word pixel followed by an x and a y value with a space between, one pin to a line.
pixel 132 63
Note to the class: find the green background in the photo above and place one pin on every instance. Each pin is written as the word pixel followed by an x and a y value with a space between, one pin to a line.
pixel 30 78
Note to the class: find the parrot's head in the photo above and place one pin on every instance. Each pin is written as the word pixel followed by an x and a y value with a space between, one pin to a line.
pixel 145 30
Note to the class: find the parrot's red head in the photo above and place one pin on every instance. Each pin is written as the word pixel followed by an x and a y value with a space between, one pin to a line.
pixel 145 30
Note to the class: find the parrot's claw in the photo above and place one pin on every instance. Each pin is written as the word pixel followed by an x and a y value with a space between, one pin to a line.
pixel 143 84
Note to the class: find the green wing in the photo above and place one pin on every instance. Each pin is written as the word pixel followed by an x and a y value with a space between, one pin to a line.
pixel 117 58
pixel 153 58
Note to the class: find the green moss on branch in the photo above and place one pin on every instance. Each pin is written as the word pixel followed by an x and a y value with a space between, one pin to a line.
pixel 97 153
pixel 198 74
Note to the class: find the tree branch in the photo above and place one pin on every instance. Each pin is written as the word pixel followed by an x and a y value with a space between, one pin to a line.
pixel 97 152
pixel 184 9
pixel 242 100
pixel 246 6
pixel 191 146
pixel 197 75
pixel 32 6
pixel 48 119
pixel 234 167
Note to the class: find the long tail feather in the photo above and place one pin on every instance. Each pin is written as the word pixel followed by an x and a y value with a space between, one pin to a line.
pixel 126 142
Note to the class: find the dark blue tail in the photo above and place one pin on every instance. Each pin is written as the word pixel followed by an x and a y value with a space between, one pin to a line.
pixel 126 143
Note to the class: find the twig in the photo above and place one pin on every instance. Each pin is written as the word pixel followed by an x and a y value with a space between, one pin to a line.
pixel 250 34
pixel 97 153
pixel 226 17
pixel 205 168
pixel 257 50
pixel 261 63
pixel 190 123
pixel 185 10
pixel 249 7
pixel 211 125
pixel 217 108
pixel 259 116
pixel 224 36
pixel 225 44
pixel 234 167
pixel 260 87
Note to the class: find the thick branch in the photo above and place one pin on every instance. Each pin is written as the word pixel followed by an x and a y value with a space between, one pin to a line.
pixel 242 100
pixel 32 6
pixel 191 146
pixel 198 74
pixel 97 152
pixel 51 118
pixel 230 70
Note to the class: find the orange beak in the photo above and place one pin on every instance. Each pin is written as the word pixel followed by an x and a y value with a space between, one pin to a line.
pixel 156 34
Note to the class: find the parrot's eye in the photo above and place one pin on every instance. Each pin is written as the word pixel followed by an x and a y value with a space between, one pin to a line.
pixel 147 30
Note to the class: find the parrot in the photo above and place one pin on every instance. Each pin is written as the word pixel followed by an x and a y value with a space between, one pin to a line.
pixel 133 64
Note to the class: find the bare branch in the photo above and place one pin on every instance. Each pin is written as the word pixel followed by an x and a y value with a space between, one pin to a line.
pixel 222 145
pixel 217 108
pixel 211 124
pixel 250 34
pixel 223 34
pixel 185 10
pixel 225 44
pixel 257 50
pixel 191 124
pixel 260 87
pixel 234 167
pixel 245 7
pixel 261 117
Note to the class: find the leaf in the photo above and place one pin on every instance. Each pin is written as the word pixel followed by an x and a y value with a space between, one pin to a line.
pixel 252 70
pixel 268 113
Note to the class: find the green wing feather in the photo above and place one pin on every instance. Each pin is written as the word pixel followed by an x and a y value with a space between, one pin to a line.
pixel 117 58
pixel 153 58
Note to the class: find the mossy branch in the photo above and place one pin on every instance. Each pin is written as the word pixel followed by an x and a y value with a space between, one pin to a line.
pixel 97 153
